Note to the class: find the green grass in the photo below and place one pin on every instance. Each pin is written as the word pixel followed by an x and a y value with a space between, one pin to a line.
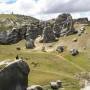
pixel 51 66
pixel 3 16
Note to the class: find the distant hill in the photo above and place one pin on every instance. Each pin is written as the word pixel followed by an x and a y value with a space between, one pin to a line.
pixel 7 21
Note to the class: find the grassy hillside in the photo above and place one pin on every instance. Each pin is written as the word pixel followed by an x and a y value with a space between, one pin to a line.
pixel 50 66
pixel 8 21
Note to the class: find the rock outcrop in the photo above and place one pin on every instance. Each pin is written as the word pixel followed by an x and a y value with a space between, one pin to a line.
pixel 14 75
pixel 33 30
pixel 64 25
pixel 12 36
pixel 82 21
pixel 48 34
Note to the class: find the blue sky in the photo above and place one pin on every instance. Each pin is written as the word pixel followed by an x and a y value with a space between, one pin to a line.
pixel 7 1
pixel 46 9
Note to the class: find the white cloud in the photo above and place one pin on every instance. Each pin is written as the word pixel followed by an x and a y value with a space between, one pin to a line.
pixel 46 16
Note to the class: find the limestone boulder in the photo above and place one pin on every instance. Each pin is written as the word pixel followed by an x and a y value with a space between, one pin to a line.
pixel 64 25
pixel 14 75
pixel 30 44
pixel 48 34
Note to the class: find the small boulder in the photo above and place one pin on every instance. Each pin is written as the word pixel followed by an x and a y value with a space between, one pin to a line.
pixel 18 48
pixel 30 44
pixel 56 85
pixel 35 87
pixel 59 83
pixel 60 49
pixel 75 40
pixel 74 52
pixel 43 49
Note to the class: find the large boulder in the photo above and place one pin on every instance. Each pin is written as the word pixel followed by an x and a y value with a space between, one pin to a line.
pixel 12 36
pixel 48 34
pixel 64 25
pixel 14 75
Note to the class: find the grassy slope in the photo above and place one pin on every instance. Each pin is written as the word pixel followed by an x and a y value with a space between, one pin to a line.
pixel 51 65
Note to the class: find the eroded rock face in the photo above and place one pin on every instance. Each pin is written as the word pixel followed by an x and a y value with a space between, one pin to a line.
pixel 12 36
pixel 48 34
pixel 64 25
pixel 14 75
pixel 82 20
pixel 33 30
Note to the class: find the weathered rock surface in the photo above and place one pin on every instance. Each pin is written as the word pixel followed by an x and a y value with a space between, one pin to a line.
pixel 14 75
pixel 60 49
pixel 35 87
pixel 64 25
pixel 82 20
pixel 48 34
pixel 74 52
pixel 30 44
pixel 33 30
pixel 12 36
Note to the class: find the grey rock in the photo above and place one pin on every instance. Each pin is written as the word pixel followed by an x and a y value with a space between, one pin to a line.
pixel 60 49
pixel 33 30
pixel 35 87
pixel 74 52
pixel 30 44
pixel 56 85
pixel 64 25
pixel 48 34
pixel 14 75
pixel 82 20
pixel 12 36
